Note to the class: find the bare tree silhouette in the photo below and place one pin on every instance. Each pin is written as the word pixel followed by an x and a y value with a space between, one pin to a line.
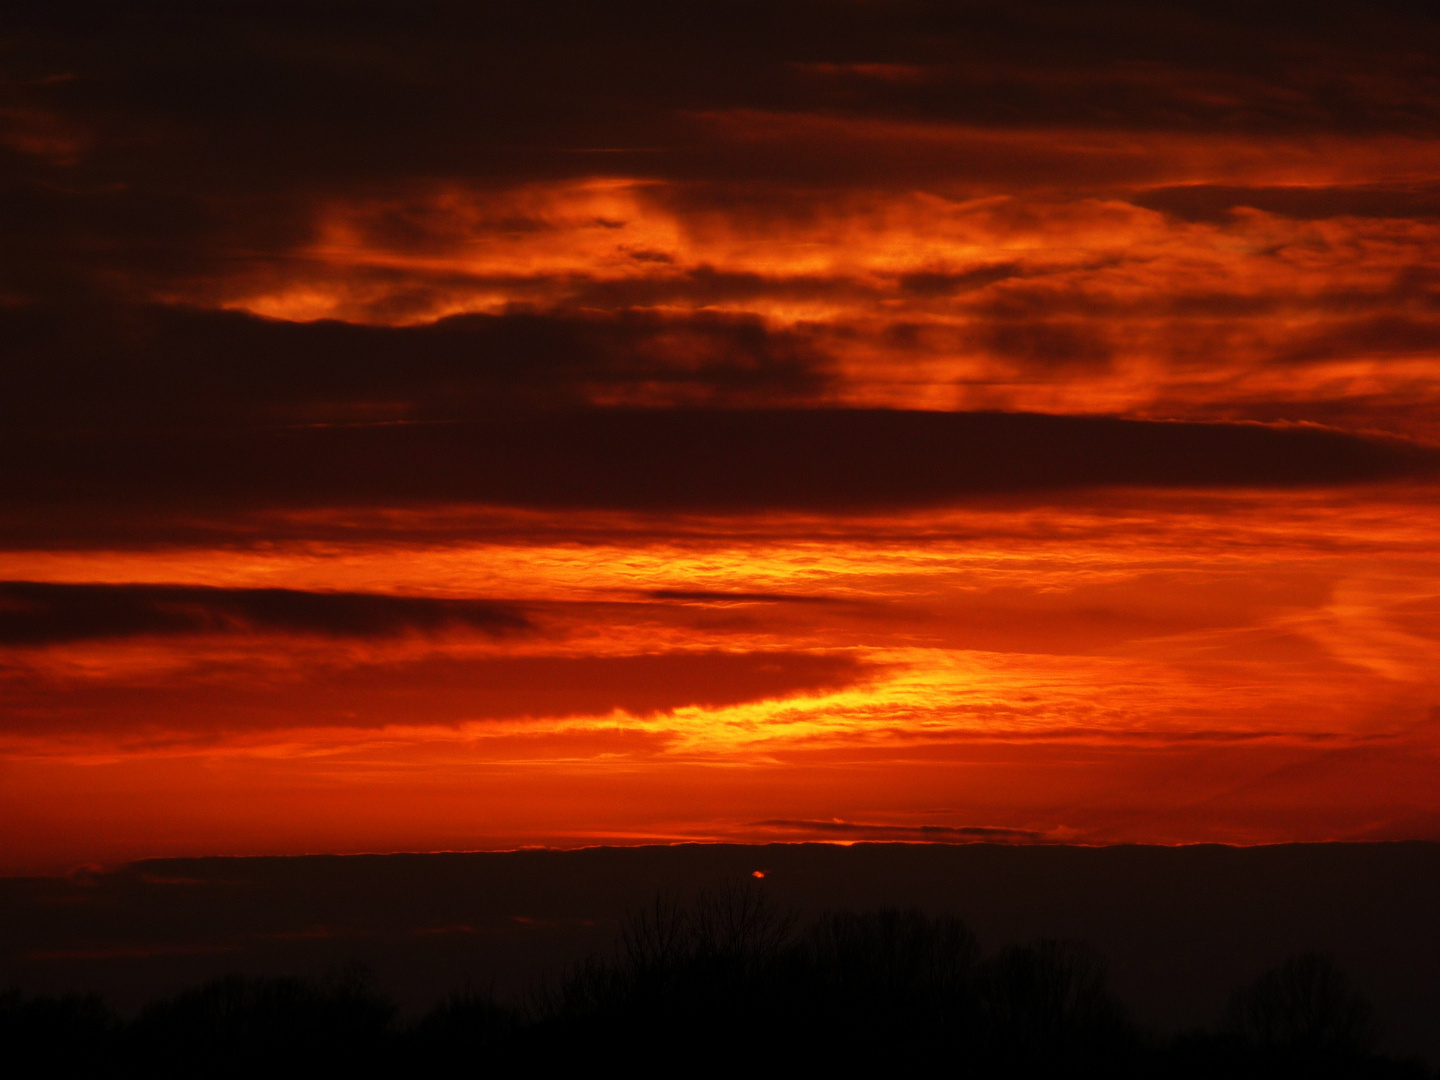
pixel 1307 1006
pixel 741 926
pixel 1049 1001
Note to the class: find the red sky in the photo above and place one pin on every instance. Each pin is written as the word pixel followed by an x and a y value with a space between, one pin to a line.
pixel 440 427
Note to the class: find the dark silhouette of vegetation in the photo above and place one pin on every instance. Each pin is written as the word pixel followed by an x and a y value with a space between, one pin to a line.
pixel 1307 1007
pixel 246 1025
pixel 733 980
pixel 1048 1004
pixel 72 1033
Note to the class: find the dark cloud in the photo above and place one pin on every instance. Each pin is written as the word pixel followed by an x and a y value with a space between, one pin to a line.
pixel 164 140
pixel 432 690
pixel 1410 293
pixel 714 596
pixel 83 365
pixel 1215 202
pixel 706 285
pixel 1378 335
pixel 857 830
pixel 180 151
pixel 1047 343
pixel 1401 414
pixel 934 283
pixel 46 613
pixel 684 460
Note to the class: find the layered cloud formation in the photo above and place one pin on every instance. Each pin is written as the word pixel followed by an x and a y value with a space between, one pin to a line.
pixel 450 425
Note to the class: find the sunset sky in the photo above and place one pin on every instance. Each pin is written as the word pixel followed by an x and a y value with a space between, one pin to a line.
pixel 454 426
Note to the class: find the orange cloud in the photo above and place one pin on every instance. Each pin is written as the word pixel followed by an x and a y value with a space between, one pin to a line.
pixel 883 422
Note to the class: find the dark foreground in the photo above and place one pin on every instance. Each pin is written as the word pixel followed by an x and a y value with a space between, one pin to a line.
pixel 1175 931
pixel 732 981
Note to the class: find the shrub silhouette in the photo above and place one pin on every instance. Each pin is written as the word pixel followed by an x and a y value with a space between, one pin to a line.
pixel 463 1027
pixel 75 1030
pixel 238 1023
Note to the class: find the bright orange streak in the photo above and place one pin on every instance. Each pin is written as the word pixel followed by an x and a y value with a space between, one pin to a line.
pixel 1157 666
pixel 1092 658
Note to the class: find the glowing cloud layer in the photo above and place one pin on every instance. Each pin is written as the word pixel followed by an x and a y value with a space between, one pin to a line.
pixel 470 428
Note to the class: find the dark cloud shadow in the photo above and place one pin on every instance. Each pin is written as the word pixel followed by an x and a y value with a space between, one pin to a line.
pixel 86 365
pixel 443 690
pixel 46 613
pixel 165 142
pixel 684 460
pixel 802 829
pixel 1215 202
pixel 713 596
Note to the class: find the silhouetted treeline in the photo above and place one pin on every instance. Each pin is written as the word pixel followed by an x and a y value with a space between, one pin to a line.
pixel 733 981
